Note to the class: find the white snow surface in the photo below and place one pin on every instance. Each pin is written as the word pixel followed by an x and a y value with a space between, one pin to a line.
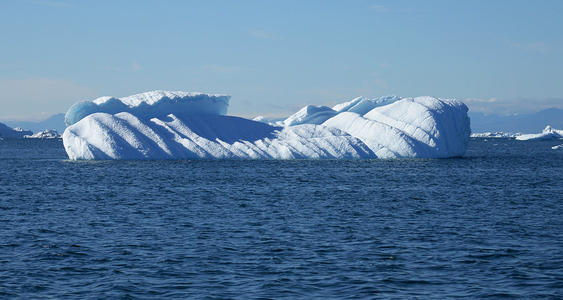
pixel 362 105
pixel 45 134
pixel 410 127
pixel 548 133
pixel 152 104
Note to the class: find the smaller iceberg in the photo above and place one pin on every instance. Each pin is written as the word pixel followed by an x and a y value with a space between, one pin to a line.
pixel 558 147
pixel 151 104
pixel 362 105
pixel 45 134
pixel 494 135
pixel 548 133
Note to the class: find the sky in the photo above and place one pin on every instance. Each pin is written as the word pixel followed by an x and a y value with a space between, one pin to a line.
pixel 274 57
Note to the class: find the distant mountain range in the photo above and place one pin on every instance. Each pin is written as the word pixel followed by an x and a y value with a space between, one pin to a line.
pixel 56 122
pixel 9 133
pixel 525 123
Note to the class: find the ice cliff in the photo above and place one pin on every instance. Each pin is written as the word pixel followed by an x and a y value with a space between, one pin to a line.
pixel 180 125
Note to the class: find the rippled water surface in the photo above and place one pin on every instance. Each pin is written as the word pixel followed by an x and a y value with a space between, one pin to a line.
pixel 486 225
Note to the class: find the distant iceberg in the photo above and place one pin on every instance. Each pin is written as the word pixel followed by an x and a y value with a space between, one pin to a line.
pixel 498 134
pixel 180 125
pixel 548 133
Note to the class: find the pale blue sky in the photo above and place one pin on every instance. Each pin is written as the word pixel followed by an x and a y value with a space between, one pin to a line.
pixel 276 56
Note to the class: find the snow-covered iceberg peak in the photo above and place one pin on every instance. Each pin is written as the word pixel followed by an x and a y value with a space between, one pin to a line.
pixel 45 134
pixel 362 105
pixel 151 104
pixel 310 114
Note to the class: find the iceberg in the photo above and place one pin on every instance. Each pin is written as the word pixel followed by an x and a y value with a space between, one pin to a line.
pixel 495 135
pixel 557 147
pixel 180 125
pixel 12 133
pixel 548 133
pixel 45 134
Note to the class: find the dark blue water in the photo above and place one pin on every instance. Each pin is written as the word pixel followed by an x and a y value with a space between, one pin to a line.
pixel 486 225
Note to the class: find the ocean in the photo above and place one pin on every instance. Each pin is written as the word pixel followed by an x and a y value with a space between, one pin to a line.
pixel 487 225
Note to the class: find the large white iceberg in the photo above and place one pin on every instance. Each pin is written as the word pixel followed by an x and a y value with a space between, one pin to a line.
pixel 362 105
pixel 179 125
pixel 494 135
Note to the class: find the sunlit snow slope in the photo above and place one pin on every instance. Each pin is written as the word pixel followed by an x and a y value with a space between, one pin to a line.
pixel 179 125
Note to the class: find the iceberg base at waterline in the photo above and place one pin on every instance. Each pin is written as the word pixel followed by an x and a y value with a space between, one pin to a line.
pixel 180 125
pixel 548 133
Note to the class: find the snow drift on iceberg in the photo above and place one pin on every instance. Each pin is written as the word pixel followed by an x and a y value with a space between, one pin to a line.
pixel 178 125
pixel 151 104
pixel 45 134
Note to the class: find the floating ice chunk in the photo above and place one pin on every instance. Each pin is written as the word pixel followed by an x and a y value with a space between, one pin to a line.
pixel 558 147
pixel 548 133
pixel 151 104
